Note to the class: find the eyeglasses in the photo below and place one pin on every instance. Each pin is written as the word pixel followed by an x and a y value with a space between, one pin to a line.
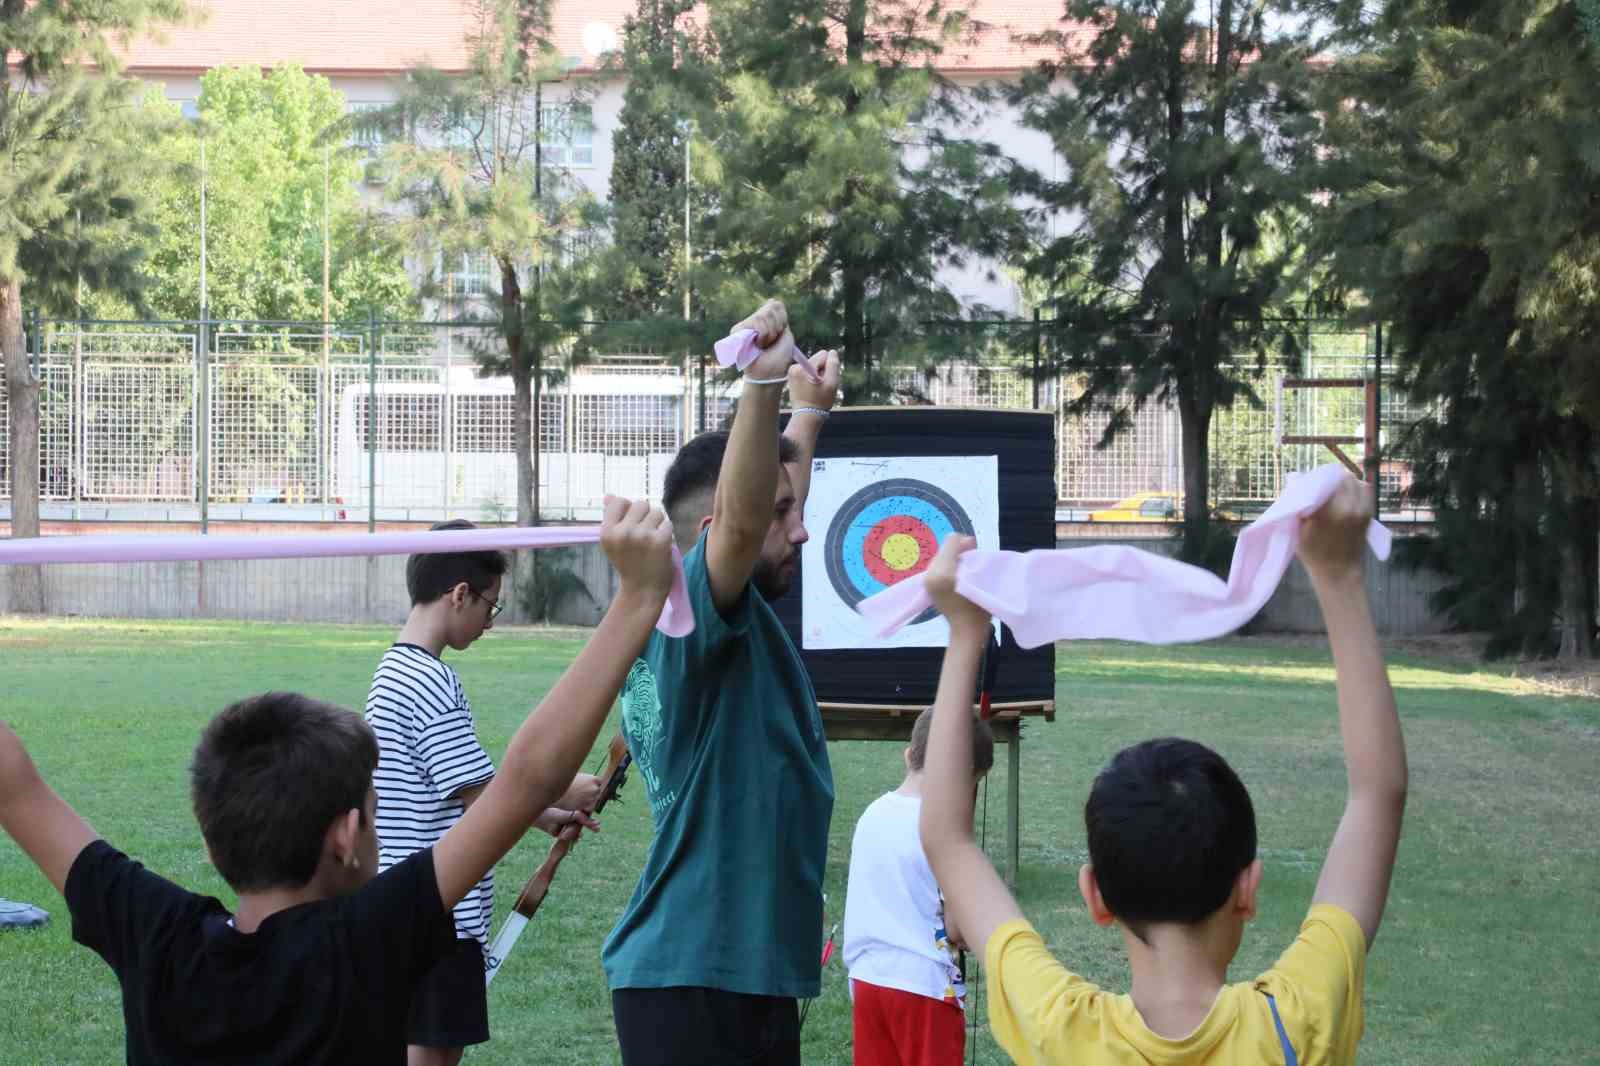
pixel 495 606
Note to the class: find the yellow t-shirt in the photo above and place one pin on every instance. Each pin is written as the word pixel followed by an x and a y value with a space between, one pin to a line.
pixel 1044 1015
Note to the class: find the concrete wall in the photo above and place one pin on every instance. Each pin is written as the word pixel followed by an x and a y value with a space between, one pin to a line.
pixel 1399 595
pixel 351 589
pixel 373 590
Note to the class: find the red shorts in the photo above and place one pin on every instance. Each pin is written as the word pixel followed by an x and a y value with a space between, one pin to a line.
pixel 895 1028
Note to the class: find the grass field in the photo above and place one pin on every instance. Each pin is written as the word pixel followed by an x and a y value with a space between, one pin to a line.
pixel 1489 953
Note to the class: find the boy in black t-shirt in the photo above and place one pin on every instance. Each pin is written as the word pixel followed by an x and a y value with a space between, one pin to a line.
pixel 318 962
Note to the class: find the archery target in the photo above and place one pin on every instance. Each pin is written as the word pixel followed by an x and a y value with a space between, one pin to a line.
pixel 878 522
pixel 888 532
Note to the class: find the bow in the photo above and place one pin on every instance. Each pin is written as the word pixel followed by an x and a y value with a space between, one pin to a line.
pixel 538 886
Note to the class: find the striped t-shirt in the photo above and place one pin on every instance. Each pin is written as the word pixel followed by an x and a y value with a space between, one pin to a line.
pixel 427 751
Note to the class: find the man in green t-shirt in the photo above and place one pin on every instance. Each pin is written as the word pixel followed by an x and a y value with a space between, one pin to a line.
pixel 724 930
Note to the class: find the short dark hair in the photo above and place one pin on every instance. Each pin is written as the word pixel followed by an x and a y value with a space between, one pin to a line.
pixel 982 742
pixel 270 774
pixel 431 576
pixel 698 464
pixel 1170 828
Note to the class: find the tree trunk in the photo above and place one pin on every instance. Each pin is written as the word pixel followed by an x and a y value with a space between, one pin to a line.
pixel 1194 415
pixel 1577 612
pixel 524 419
pixel 852 273
pixel 1589 550
pixel 22 390
pixel 1577 543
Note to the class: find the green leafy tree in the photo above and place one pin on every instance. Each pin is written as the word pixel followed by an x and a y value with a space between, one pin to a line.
pixel 72 179
pixel 272 182
pixel 463 155
pixel 1186 129
pixel 641 273
pixel 1465 209
pixel 835 176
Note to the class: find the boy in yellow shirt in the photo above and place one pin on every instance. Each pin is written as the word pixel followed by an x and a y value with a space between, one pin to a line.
pixel 1172 862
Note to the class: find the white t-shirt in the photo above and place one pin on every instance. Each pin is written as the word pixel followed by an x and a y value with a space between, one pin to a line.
pixel 894 933
pixel 428 750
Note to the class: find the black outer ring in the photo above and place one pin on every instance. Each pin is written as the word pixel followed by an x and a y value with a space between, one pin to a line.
pixel 833 547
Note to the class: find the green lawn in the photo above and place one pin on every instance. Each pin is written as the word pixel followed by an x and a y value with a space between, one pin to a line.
pixel 1489 953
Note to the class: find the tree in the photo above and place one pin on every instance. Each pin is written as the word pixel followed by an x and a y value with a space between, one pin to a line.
pixel 464 156
pixel 836 175
pixel 643 269
pixel 1186 131
pixel 72 182
pixel 1490 284
pixel 272 180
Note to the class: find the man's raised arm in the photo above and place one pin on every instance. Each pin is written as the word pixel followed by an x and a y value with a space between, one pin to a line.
pixel 748 485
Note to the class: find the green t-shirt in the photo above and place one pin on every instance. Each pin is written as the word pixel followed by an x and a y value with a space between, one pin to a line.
pixel 726 735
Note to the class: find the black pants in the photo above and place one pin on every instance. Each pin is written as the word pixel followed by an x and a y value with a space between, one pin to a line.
pixel 705 1027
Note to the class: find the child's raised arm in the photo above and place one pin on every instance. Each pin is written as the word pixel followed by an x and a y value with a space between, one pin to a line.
pixel 976 899
pixel 35 817
pixel 1355 875
pixel 552 743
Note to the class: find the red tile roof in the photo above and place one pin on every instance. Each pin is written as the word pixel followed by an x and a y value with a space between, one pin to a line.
pixel 389 36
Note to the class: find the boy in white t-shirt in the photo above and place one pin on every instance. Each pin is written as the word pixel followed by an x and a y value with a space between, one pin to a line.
pixel 905 985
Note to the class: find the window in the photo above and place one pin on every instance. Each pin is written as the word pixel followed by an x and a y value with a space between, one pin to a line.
pixel 566 135
pixel 1160 507
pixel 190 109
pixel 467 273
pixel 371 138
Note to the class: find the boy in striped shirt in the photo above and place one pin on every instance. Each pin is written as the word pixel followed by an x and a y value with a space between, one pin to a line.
pixel 431 768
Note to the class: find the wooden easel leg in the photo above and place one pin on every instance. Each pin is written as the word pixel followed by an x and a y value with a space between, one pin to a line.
pixel 1013 805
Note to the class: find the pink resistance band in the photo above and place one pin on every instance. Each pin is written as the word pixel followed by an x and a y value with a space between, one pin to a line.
pixel 677 617
pixel 739 349
pixel 1122 593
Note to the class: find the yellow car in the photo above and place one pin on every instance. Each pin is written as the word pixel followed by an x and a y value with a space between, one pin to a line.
pixel 1151 507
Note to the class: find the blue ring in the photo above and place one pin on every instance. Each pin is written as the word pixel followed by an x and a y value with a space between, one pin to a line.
pixel 855 536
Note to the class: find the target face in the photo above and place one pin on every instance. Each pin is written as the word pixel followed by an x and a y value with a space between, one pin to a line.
pixel 887 532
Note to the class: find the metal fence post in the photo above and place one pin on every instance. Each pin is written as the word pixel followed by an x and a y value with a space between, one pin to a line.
pixel 1038 343
pixel 202 418
pixel 372 421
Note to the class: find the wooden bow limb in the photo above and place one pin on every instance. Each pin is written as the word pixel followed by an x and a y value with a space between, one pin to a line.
pixel 612 777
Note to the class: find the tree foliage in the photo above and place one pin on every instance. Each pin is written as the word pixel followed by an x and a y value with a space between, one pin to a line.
pixel 272 178
pixel 464 157
pixel 839 170
pixel 73 180
pixel 1464 172
pixel 1186 130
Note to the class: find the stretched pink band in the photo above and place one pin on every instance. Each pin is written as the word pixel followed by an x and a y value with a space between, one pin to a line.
pixel 677 617
pixel 1123 593
pixel 739 349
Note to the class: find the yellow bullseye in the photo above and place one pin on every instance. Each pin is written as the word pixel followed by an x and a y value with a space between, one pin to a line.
pixel 901 551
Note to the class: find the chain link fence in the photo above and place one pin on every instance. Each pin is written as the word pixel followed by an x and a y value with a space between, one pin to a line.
pixel 394 422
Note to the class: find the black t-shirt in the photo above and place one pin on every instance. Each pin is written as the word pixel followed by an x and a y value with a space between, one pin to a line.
pixel 325 982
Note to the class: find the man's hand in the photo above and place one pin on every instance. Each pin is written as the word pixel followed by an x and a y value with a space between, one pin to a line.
pixel 1333 542
pixel 966 618
pixel 771 324
pixel 637 539
pixel 824 393
pixel 554 820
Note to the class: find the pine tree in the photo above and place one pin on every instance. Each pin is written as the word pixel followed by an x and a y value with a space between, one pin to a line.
pixel 644 272
pixel 463 155
pixel 822 136
pixel 1186 130
pixel 1490 285
pixel 71 181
